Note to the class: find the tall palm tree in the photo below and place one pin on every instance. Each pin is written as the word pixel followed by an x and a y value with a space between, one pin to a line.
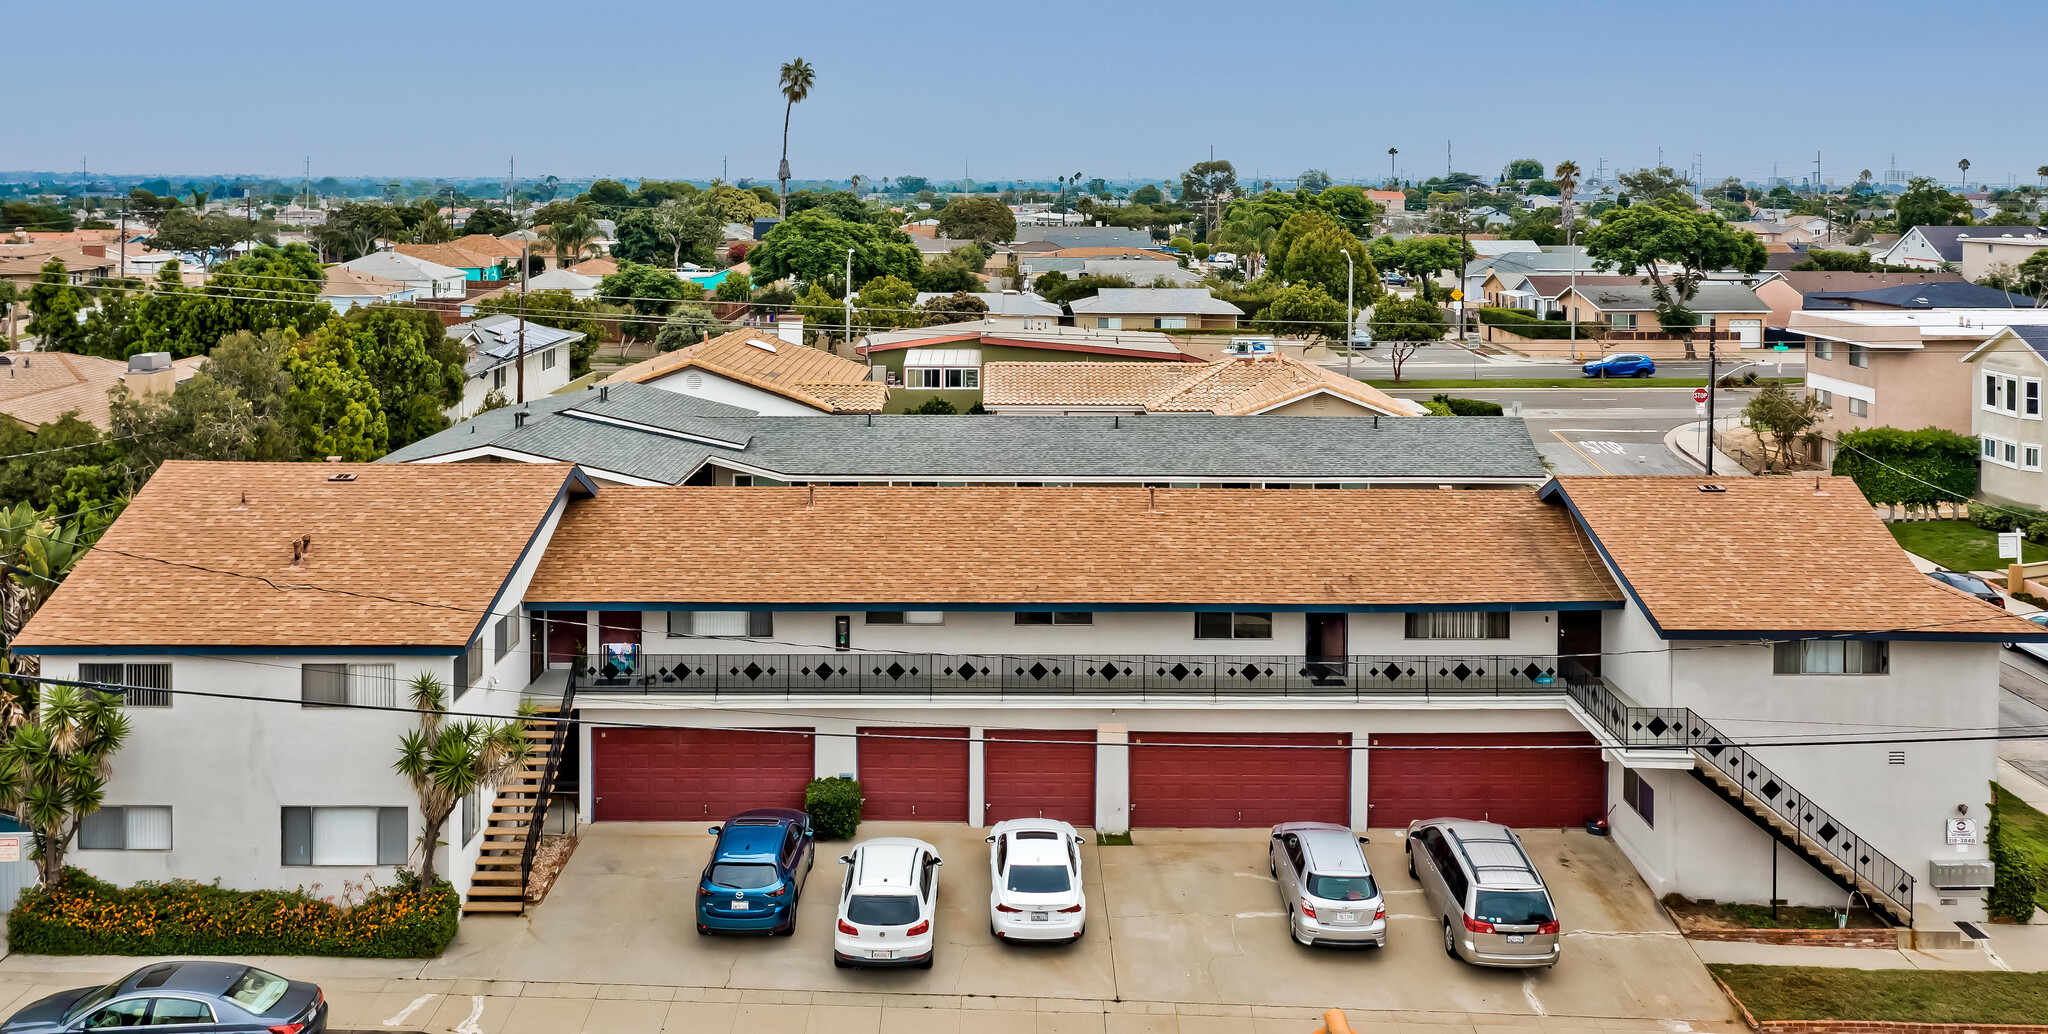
pixel 1567 180
pixel 54 769
pixel 573 238
pixel 447 761
pixel 797 79
pixel 1965 166
pixel 1393 177
pixel 38 553
pixel 2040 175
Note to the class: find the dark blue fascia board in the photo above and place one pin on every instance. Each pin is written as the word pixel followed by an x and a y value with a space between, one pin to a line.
pixel 1780 634
pixel 132 650
pixel 1100 608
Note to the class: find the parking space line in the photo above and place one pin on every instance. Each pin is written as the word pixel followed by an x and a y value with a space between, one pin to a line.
pixel 1529 992
pixel 406 1013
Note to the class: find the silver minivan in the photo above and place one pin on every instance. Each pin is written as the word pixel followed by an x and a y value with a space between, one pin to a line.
pixel 1329 892
pixel 1481 884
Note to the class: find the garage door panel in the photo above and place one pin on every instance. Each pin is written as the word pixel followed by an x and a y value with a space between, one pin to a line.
pixel 1459 776
pixel 1199 780
pixel 913 773
pixel 686 774
pixel 1026 777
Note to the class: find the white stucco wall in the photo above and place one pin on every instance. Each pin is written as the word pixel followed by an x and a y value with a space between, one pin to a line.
pixel 703 384
pixel 539 382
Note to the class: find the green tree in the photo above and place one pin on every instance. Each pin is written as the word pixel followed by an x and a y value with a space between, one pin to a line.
pixel 1066 290
pixel 961 307
pixel 1783 421
pixel 1653 184
pixel 1420 258
pixel 494 221
pixel 1208 181
pixel 54 769
pixel 730 204
pixel 735 287
pixel 888 302
pixel 1351 208
pixel 1311 248
pixel 1924 203
pixel 1404 325
pixel 446 761
pixel 56 305
pixel 796 79
pixel 573 238
pixel 1315 181
pixel 823 315
pixel 811 246
pixel 690 229
pixel 648 291
pixel 981 219
pixel 1147 195
pixel 39 550
pixel 1525 169
pixel 30 215
pixel 1304 310
pixel 334 407
pixel 689 324
pixel 1839 261
pixel 414 384
pixel 1645 238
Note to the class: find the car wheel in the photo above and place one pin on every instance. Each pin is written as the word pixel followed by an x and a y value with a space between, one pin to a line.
pixel 703 931
pixel 789 928
pixel 929 959
pixel 1450 940
pixel 1411 863
pixel 837 962
pixel 1642 373
pixel 1271 869
pixel 1602 374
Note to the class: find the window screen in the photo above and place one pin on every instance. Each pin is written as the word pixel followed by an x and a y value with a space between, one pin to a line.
pixel 345 836
pixel 151 681
pixel 1831 657
pixel 1458 624
pixel 129 828
pixel 752 624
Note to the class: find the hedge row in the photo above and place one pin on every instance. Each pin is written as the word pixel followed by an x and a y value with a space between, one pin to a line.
pixel 1912 468
pixel 88 916
pixel 1524 324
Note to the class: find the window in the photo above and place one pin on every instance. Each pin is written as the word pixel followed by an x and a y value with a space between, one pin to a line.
pixel 1622 320
pixel 128 828
pixel 473 666
pixel 1990 451
pixel 1640 796
pixel 328 685
pixel 921 378
pixel 346 836
pixel 1170 323
pixel 1858 407
pixel 547 359
pixel 906 617
pixel 1990 391
pixel 737 624
pixel 964 379
pixel 2030 457
pixel 1859 355
pixel 1054 617
pixel 1823 349
pixel 1826 399
pixel 472 817
pixel 1105 323
pixel 505 636
pixel 166 1012
pixel 498 379
pixel 152 681
pixel 1459 624
pixel 1241 625
pixel 2011 454
pixel 1831 657
pixel 2011 391
pixel 2030 404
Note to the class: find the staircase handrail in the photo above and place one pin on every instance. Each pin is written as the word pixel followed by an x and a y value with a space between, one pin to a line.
pixel 544 794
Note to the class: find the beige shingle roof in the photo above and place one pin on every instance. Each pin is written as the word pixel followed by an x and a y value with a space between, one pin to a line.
pixel 343 282
pixel 38 387
pixel 1767 554
pixel 403 555
pixel 765 546
pixel 759 358
pixel 478 250
pixel 1228 386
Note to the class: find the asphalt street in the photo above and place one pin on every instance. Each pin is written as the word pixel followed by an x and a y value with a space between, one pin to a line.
pixel 1602 430
pixel 1447 361
pixel 2023 712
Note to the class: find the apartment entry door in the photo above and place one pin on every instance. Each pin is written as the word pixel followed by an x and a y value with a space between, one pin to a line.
pixel 1327 648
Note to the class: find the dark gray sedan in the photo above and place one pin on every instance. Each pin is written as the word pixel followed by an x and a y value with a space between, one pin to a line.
pixel 182 996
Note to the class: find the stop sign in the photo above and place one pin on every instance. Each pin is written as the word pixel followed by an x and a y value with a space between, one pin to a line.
pixel 1699 394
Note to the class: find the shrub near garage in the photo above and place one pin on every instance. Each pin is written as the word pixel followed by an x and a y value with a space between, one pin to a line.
pixel 88 916
pixel 834 806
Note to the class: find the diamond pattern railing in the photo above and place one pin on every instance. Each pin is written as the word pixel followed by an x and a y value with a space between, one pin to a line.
pixel 1679 727
pixel 939 675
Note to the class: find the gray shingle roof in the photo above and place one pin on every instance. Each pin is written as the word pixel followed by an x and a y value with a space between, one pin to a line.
pixel 1712 297
pixel 1112 300
pixel 1002 304
pixel 497 340
pixel 1944 238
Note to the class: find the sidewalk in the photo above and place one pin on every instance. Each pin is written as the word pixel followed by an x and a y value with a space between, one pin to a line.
pixel 1688 441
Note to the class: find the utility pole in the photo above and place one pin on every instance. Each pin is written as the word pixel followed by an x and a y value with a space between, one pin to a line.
pixel 1350 314
pixel 1711 377
pixel 524 260
pixel 124 240
pixel 1447 159
pixel 849 303
pixel 1464 224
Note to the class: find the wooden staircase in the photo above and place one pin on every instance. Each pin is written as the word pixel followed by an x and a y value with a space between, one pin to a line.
pixel 499 885
pixel 1889 900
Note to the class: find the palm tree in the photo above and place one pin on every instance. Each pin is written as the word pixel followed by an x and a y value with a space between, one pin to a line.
pixel 447 761
pixel 2040 175
pixel 54 768
pixel 1567 180
pixel 1965 166
pixel 37 554
pixel 1392 176
pixel 573 238
pixel 797 79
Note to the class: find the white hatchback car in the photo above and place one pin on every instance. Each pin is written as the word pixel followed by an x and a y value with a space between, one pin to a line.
pixel 887 904
pixel 1035 876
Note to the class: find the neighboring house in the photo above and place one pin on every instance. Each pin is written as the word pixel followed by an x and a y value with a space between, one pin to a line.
pixel 1791 290
pixel 1494 249
pixel 1141 272
pixel 1930 246
pixel 1276 385
pixel 480 256
pixel 1779 233
pixel 578 286
pixel 936 248
pixel 2006 416
pixel 1624 319
pixel 1898 368
pixel 768 372
pixel 1185 634
pixel 1538 293
pixel 1388 200
pixel 1011 308
pixel 597 267
pixel 1087 236
pixel 923 363
pixel 36 388
pixel 632 434
pixel 23 264
pixel 347 289
pixel 1153 308
pixel 496 344
pixel 428 279
pixel 1993 250
pixel 1552 259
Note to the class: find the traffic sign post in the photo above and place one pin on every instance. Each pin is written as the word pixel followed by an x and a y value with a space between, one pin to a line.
pixel 1699 394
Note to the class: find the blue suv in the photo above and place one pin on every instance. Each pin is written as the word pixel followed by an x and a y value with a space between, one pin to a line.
pixel 1621 365
pixel 757 871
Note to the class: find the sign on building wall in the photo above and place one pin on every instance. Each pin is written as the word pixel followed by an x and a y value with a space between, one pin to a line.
pixel 1962 831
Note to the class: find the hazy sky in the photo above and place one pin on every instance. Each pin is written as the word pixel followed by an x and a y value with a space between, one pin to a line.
pixel 668 89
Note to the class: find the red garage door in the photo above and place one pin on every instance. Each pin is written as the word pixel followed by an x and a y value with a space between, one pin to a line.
pixel 923 778
pixel 1039 780
pixel 1221 786
pixel 1534 788
pixel 696 773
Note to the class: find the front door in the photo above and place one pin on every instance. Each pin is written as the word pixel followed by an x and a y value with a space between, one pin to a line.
pixel 1578 639
pixel 565 632
pixel 1327 647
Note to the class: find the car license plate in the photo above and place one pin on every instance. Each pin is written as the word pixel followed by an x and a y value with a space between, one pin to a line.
pixel 740 906
pixel 1041 917
pixel 1515 938
pixel 1343 917
pixel 882 954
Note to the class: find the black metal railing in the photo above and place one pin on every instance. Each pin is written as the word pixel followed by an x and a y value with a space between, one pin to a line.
pixel 1022 675
pixel 544 794
pixel 1681 728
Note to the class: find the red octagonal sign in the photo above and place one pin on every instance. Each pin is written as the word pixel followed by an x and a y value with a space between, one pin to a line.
pixel 1699 394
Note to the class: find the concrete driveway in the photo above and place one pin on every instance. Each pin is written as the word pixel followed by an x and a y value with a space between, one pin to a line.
pixel 1187 917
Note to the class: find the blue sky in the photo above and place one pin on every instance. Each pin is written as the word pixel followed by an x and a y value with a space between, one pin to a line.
pixel 665 89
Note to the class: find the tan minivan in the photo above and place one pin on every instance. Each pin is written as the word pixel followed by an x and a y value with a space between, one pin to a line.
pixel 1482 886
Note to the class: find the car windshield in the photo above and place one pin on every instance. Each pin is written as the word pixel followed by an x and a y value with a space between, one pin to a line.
pixel 1513 907
pixel 743 877
pixel 256 990
pixel 881 909
pixel 92 1001
pixel 1039 879
pixel 1342 888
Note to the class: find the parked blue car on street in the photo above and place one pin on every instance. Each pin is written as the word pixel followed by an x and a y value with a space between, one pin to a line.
pixel 756 872
pixel 1621 365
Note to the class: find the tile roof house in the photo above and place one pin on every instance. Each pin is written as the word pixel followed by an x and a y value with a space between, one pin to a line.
pixel 37 388
pixel 944 361
pixel 1624 319
pixel 495 344
pixel 1278 385
pixel 347 289
pixel 767 372
pixel 480 256
pixel 1152 308
pixel 430 279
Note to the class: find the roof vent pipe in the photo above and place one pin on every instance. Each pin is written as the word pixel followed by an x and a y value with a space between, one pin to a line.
pixel 604 393
pixel 519 419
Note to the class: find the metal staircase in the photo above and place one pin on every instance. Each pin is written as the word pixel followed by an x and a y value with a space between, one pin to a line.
pixel 1767 799
pixel 504 867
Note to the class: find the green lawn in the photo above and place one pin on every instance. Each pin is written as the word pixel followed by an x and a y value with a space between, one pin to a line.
pixel 2027 829
pixel 1564 382
pixel 1895 995
pixel 1959 545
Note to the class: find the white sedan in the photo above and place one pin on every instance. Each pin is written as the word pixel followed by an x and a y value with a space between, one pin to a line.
pixel 1035 876
pixel 2037 649
pixel 887 904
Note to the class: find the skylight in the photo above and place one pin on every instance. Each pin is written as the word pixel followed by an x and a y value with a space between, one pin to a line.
pixel 765 346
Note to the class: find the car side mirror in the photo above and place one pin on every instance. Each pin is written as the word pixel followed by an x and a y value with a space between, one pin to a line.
pixel 810 833
pixel 846 859
pixel 988 839
pixel 715 830
pixel 1365 840
pixel 938 861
